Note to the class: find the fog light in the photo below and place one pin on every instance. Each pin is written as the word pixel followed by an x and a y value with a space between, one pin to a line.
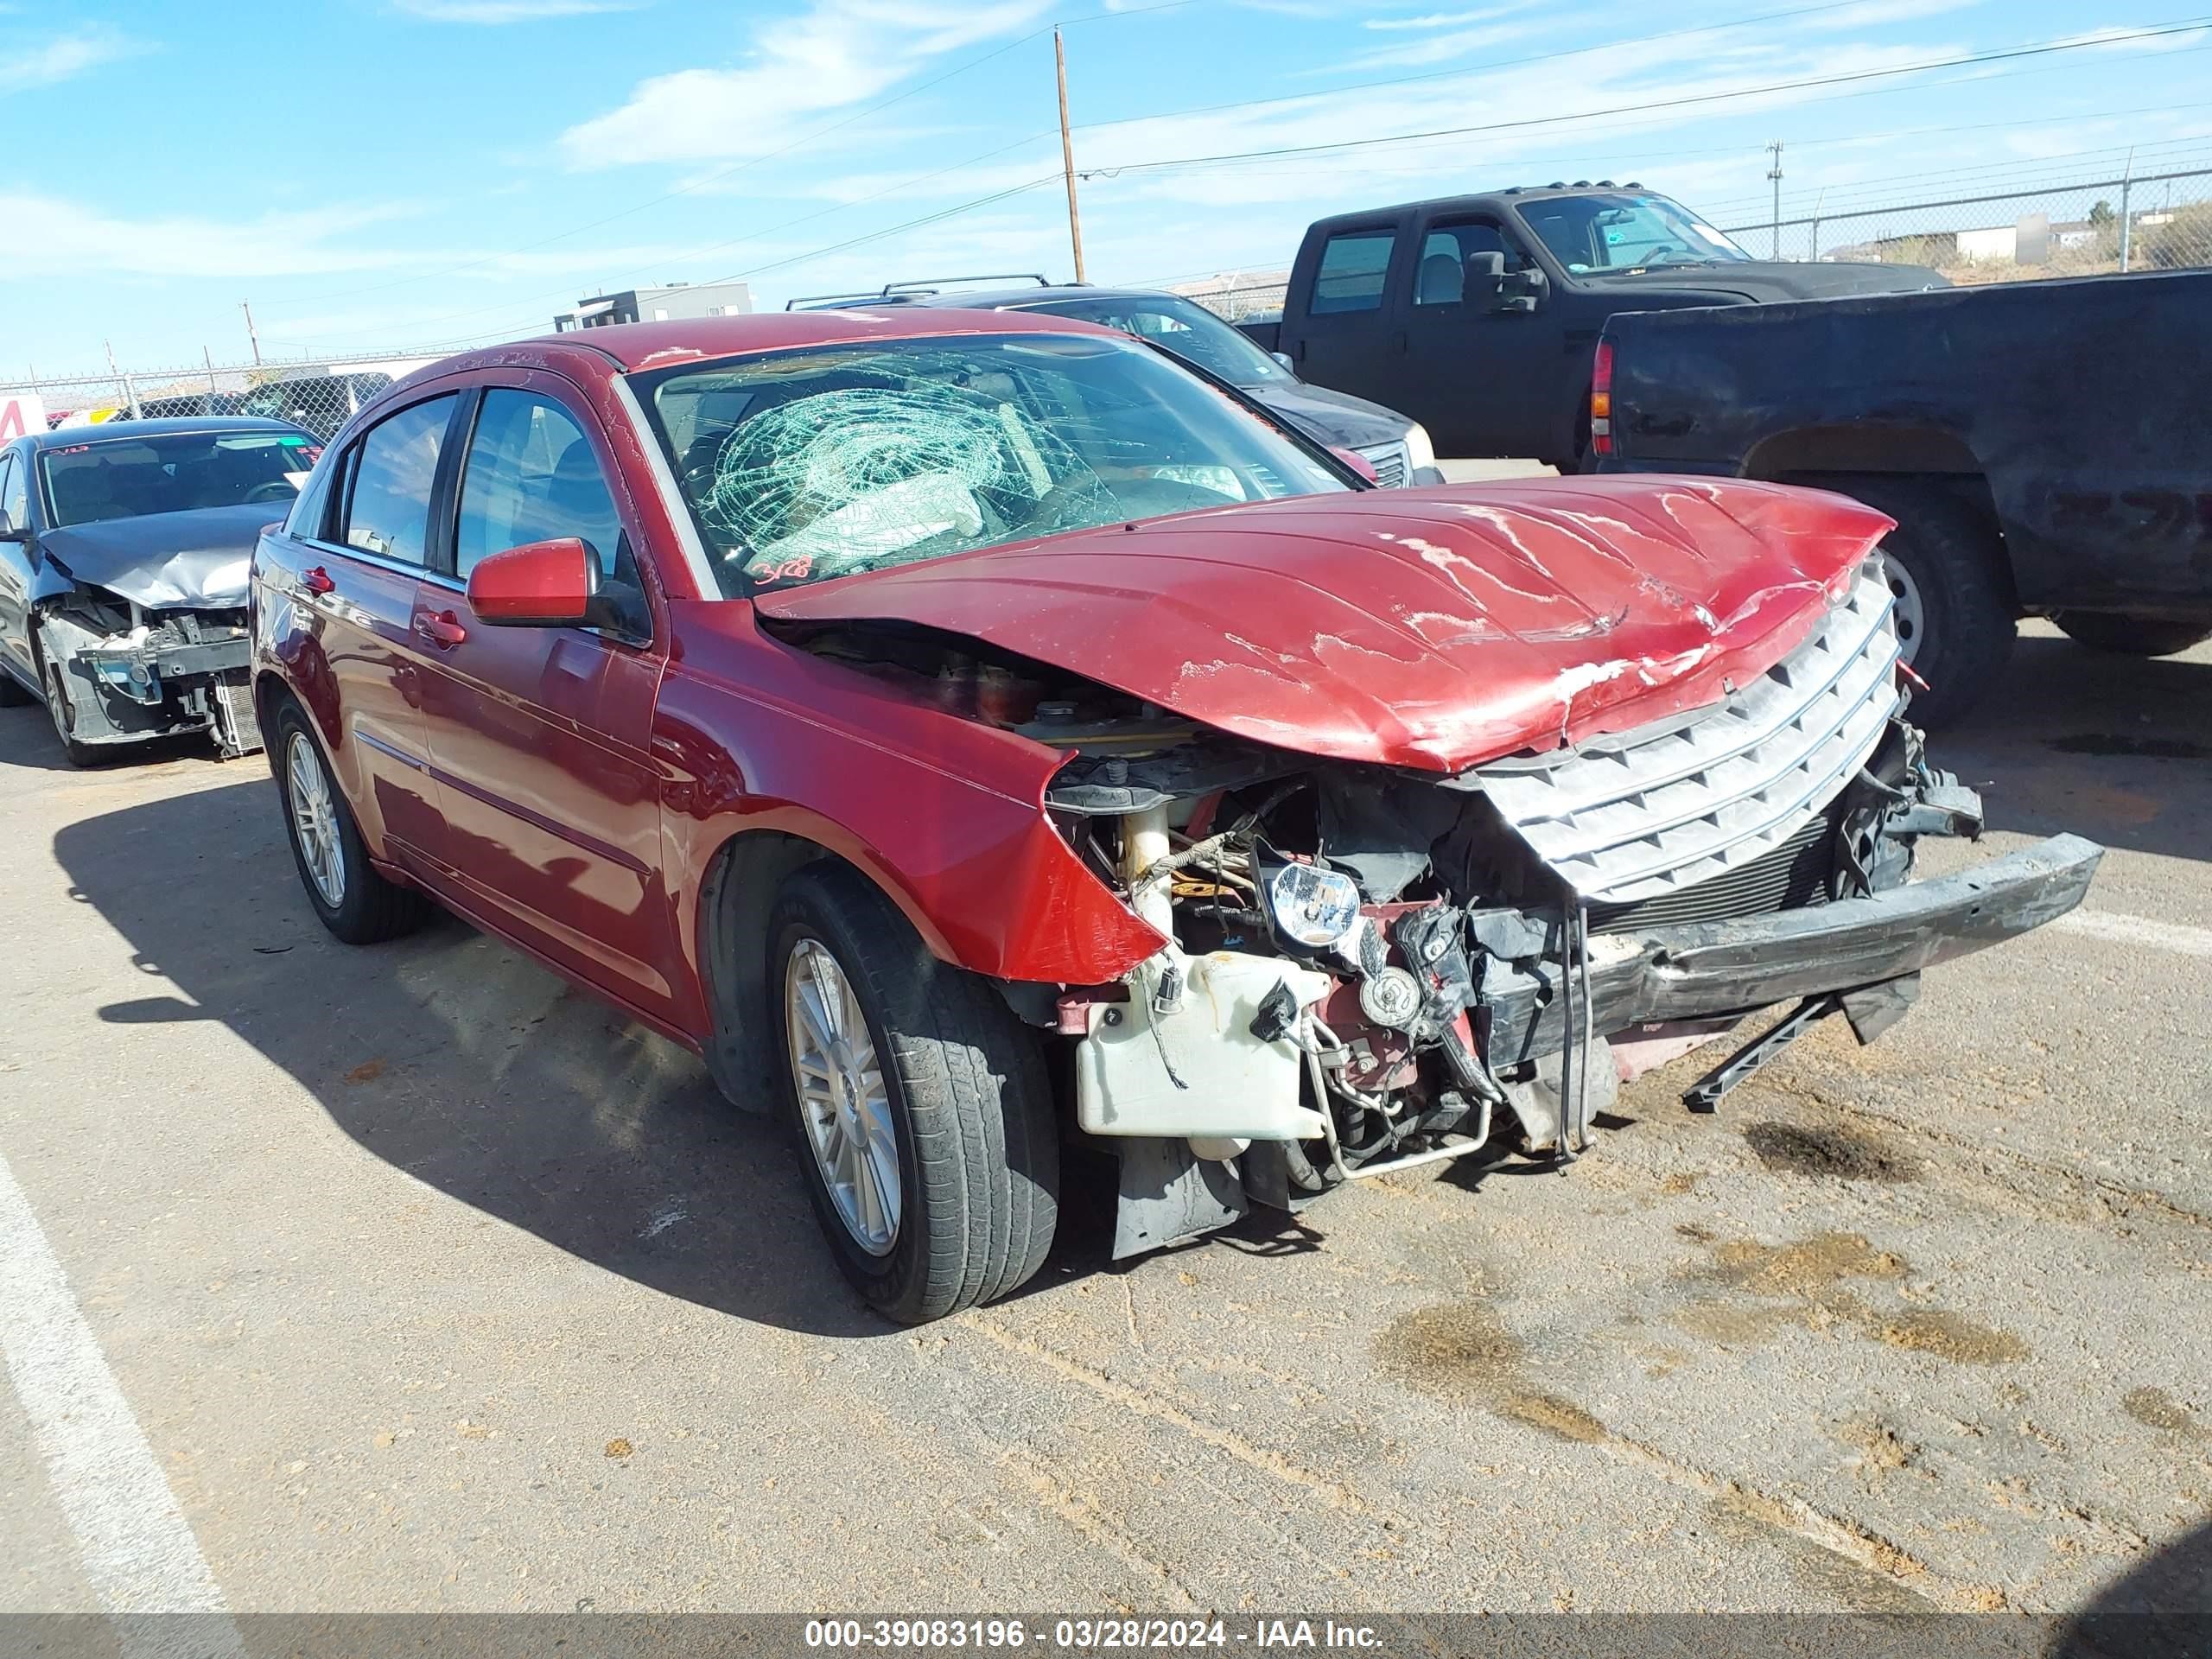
pixel 1313 906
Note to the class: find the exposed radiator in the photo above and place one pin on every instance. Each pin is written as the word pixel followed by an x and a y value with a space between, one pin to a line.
pixel 1794 875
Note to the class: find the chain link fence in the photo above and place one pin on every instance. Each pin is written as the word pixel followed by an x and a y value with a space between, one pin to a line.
pixel 2154 221
pixel 2159 221
pixel 2149 221
pixel 319 395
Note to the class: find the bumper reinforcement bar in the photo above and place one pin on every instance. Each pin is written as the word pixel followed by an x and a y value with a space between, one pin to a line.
pixel 1710 968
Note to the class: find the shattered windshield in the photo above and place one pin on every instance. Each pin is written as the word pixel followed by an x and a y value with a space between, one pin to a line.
pixel 803 465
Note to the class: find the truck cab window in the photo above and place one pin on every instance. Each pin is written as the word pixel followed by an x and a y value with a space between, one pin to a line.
pixel 1441 276
pixel 1352 268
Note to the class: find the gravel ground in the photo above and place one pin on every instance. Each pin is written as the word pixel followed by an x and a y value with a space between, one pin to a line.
pixel 433 1285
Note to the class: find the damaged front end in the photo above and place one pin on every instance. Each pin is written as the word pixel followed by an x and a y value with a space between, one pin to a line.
pixel 126 673
pixel 1370 966
pixel 1371 970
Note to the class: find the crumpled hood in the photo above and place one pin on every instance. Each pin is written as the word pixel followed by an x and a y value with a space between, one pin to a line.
pixel 1433 628
pixel 166 560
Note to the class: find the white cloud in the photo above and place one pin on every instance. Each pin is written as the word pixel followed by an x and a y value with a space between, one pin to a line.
pixel 1443 48
pixel 834 54
pixel 59 238
pixel 64 56
pixel 509 11
pixel 1448 19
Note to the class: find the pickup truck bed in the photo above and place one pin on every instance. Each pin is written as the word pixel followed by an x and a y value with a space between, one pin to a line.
pixel 2044 445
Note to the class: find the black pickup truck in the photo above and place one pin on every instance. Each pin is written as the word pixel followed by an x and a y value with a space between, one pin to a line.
pixel 1478 316
pixel 2043 446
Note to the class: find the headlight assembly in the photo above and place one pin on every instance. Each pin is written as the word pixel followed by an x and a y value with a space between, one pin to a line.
pixel 1314 907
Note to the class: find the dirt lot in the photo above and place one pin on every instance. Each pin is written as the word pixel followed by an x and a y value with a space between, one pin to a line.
pixel 431 1285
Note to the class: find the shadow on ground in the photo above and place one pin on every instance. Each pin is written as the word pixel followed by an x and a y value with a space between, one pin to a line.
pixel 2162 1609
pixel 2116 748
pixel 465 1065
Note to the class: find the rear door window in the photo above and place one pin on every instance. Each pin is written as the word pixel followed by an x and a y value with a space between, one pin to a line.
pixel 394 469
pixel 1353 265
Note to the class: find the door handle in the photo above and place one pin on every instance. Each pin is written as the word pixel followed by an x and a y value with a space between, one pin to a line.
pixel 317 581
pixel 443 630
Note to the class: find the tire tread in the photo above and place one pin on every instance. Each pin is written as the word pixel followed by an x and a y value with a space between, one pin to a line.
pixel 978 1106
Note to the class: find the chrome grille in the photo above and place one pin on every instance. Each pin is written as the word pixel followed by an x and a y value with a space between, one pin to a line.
pixel 1630 818
pixel 1391 463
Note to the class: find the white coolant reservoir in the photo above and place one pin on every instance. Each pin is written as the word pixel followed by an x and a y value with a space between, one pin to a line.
pixel 1197 1070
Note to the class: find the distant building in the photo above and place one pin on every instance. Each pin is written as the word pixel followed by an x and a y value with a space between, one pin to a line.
pixel 678 302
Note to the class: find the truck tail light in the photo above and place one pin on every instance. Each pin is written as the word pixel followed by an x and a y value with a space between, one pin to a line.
pixel 1601 400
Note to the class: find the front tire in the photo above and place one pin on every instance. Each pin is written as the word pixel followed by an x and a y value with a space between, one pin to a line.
pixel 57 709
pixel 925 1118
pixel 354 902
pixel 2129 636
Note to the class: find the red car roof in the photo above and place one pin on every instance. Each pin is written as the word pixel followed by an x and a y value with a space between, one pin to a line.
pixel 655 345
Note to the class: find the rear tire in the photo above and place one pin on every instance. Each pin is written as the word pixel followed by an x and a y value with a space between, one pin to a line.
pixel 354 902
pixel 939 1068
pixel 1955 606
pixel 2129 636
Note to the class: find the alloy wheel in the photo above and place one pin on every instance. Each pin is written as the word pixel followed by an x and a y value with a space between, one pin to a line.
pixel 314 820
pixel 842 1100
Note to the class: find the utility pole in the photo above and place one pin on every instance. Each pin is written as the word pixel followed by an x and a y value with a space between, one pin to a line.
pixel 123 382
pixel 1775 173
pixel 208 358
pixel 252 338
pixel 1067 155
pixel 2127 207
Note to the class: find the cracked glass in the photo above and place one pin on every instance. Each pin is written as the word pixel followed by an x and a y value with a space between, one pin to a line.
pixel 804 465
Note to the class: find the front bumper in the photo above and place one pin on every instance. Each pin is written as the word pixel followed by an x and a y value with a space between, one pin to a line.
pixel 1712 968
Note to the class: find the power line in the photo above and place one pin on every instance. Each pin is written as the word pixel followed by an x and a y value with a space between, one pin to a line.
pixel 1472 69
pixel 739 241
pixel 812 253
pixel 737 167
pixel 2037 50
pixel 1235 158
pixel 1716 211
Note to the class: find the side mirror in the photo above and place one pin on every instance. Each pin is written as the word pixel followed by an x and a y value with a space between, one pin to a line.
pixel 1524 290
pixel 14 532
pixel 1485 277
pixel 539 585
pixel 1357 462
pixel 1283 358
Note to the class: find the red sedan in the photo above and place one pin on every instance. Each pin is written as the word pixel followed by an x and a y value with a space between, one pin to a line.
pixel 969 731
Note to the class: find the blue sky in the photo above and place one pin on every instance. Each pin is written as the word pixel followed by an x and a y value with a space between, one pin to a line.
pixel 378 174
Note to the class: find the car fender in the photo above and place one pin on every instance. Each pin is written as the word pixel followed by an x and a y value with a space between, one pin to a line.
pixel 946 815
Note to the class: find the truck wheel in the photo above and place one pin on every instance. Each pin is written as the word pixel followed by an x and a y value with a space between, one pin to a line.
pixel 352 901
pixel 1954 610
pixel 2129 636
pixel 922 1107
